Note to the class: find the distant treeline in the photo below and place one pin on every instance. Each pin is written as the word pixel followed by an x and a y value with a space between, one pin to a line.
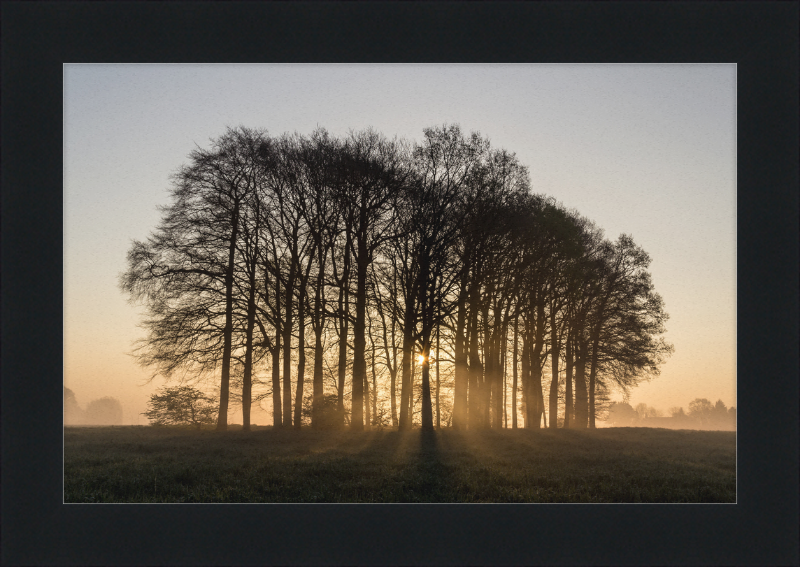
pixel 102 411
pixel 702 415
pixel 420 282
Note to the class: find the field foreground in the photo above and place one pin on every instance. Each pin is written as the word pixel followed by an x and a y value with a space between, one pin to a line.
pixel 151 464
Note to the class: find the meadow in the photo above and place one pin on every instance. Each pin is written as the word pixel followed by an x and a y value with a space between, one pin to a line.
pixel 622 465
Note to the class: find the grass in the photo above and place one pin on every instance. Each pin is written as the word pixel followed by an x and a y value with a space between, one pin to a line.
pixel 151 464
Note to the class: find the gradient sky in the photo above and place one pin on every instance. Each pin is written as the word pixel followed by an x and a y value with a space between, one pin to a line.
pixel 647 150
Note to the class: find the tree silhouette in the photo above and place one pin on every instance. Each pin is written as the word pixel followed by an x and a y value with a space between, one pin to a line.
pixel 436 251
pixel 181 405
pixel 104 411
pixel 184 272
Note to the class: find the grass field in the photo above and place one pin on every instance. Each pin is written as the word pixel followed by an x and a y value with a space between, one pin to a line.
pixel 150 464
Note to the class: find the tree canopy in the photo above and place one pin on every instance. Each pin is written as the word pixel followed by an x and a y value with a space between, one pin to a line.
pixel 429 267
pixel 181 405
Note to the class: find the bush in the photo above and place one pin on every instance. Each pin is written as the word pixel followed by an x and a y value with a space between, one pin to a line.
pixel 182 405
pixel 73 414
pixel 104 411
pixel 622 414
pixel 329 416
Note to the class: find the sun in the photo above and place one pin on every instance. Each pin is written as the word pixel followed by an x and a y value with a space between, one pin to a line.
pixel 420 358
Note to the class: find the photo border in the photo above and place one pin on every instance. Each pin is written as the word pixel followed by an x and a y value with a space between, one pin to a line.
pixel 761 38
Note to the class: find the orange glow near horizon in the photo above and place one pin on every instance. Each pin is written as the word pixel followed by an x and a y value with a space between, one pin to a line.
pixel 645 150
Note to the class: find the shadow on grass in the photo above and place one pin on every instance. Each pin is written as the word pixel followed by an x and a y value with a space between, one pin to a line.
pixel 429 477
pixel 403 467
pixel 417 466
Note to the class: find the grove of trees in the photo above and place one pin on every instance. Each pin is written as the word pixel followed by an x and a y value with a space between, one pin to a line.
pixel 702 415
pixel 711 415
pixel 102 411
pixel 367 281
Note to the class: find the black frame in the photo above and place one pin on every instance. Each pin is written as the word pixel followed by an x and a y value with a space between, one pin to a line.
pixel 761 37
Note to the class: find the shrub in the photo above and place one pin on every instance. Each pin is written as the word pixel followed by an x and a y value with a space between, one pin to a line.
pixel 182 405
pixel 329 416
pixel 104 411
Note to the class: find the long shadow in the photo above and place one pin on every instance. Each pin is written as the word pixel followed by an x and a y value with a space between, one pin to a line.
pixel 416 472
pixel 429 477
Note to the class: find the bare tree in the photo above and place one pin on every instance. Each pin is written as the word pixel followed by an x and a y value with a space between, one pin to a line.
pixel 184 272
pixel 375 172
pixel 439 249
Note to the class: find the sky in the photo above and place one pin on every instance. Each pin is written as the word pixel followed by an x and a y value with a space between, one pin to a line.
pixel 647 150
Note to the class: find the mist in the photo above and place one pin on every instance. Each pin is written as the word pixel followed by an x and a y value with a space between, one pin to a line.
pixel 702 415
pixel 101 411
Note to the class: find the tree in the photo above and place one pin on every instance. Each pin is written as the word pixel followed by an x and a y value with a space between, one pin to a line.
pixel 677 412
pixel 316 157
pixel 644 411
pixel 289 233
pixel 583 291
pixel 543 238
pixel 181 405
pixel 375 172
pixel 622 414
pixel 720 410
pixel 256 151
pixel 362 235
pixel 443 166
pixel 625 320
pixel 184 273
pixel 721 417
pixel 104 411
pixel 701 409
pixel 73 414
pixel 326 414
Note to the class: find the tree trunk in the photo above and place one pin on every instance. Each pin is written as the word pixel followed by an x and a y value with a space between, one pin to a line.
pixel 411 391
pixel 497 374
pixel 536 365
pixel 367 401
pixel 568 406
pixel 427 408
pixel 488 364
pixel 359 336
pixel 247 378
pixel 287 344
pixel 475 366
pixel 536 408
pixel 592 381
pixel 406 364
pixel 277 418
pixel 393 394
pixel 554 354
pixel 438 408
pixel 374 390
pixel 344 311
pixel 497 380
pixel 405 383
pixel 514 376
pixel 368 397
pixel 581 398
pixel 427 316
pixel 391 364
pixel 461 378
pixel 227 334
pixel 319 324
pixel 525 378
pixel 505 370
pixel 301 357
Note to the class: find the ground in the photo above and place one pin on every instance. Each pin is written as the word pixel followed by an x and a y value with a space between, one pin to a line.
pixel 159 464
